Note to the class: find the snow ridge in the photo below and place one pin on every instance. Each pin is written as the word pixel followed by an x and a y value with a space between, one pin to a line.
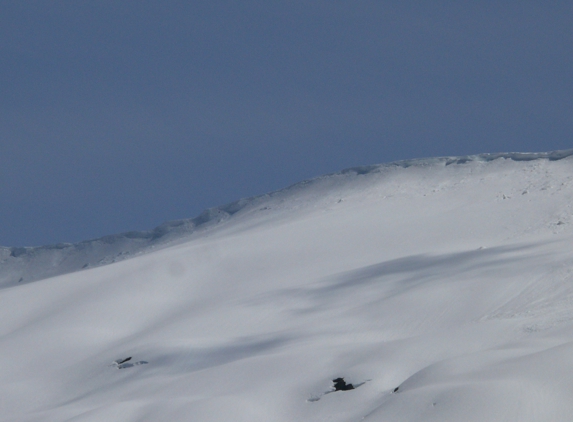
pixel 26 264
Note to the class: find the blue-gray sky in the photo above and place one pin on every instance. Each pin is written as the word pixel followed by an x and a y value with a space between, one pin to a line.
pixel 120 115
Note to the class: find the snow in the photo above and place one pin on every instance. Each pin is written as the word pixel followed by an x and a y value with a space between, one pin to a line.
pixel 450 278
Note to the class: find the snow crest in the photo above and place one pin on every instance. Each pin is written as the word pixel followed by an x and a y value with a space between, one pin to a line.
pixel 26 264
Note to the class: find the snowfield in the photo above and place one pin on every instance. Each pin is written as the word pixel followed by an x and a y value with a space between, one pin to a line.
pixel 450 279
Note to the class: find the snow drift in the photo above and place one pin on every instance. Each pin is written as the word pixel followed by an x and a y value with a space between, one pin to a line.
pixel 441 288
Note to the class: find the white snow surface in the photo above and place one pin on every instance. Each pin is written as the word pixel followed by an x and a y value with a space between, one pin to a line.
pixel 450 278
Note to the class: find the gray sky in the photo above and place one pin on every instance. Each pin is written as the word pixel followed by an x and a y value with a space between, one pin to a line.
pixel 120 115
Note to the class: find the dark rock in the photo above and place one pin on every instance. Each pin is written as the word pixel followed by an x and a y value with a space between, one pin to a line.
pixel 340 385
pixel 120 361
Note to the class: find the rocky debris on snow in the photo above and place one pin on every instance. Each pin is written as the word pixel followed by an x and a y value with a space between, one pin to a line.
pixel 124 363
pixel 340 385
pixel 120 361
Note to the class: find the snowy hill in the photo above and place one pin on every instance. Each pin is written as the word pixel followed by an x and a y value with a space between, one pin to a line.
pixel 26 264
pixel 448 279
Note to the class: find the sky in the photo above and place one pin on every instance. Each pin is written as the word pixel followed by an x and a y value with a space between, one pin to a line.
pixel 121 115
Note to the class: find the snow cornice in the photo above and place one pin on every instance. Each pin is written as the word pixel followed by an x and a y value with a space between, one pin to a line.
pixel 223 212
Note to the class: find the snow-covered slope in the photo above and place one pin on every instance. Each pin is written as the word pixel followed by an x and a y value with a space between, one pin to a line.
pixel 450 279
pixel 26 264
